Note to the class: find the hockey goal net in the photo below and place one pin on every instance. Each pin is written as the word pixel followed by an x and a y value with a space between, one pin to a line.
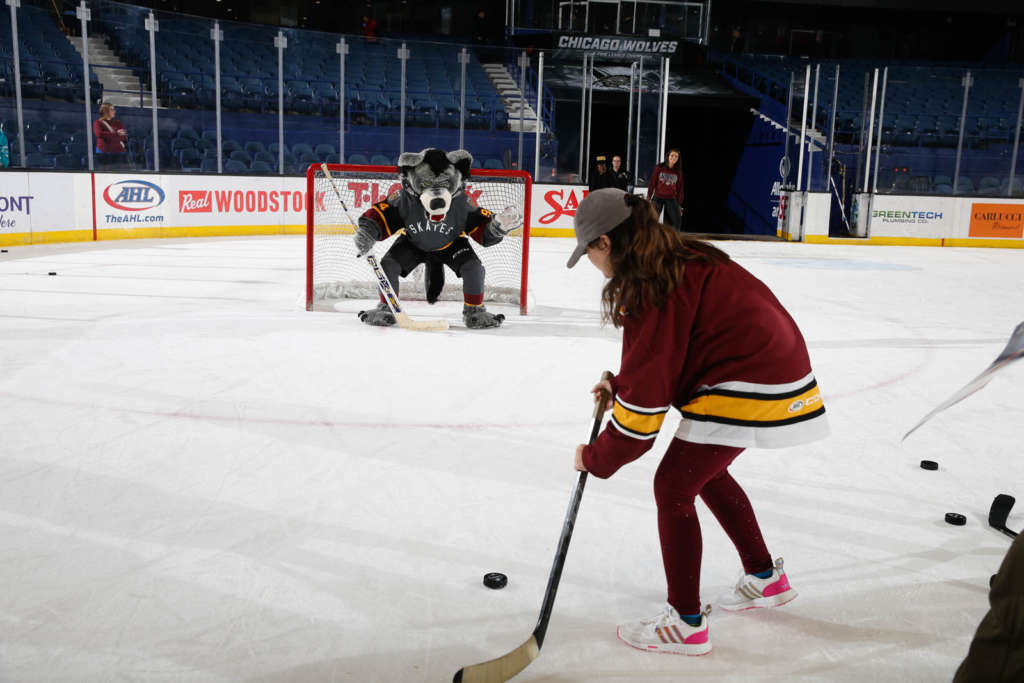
pixel 334 272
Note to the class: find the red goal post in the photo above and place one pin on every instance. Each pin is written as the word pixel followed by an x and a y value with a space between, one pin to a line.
pixel 333 272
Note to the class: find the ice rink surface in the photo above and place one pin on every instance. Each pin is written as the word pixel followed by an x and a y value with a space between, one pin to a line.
pixel 201 481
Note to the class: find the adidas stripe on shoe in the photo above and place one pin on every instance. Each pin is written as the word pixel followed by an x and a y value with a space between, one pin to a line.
pixel 752 593
pixel 668 633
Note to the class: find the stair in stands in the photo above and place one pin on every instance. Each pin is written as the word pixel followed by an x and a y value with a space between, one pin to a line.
pixel 120 85
pixel 510 95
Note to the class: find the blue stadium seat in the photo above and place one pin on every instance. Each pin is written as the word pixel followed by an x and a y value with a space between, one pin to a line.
pixel 235 167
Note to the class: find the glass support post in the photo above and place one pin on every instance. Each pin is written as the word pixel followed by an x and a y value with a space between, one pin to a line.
pixel 216 35
pixel 14 5
pixel 967 82
pixel 152 26
pixel 871 132
pixel 881 126
pixel 280 42
pixel 540 110
pixel 463 61
pixel 1016 139
pixel 84 14
pixel 342 49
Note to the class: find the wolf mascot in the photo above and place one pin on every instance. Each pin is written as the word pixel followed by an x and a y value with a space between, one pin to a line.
pixel 438 218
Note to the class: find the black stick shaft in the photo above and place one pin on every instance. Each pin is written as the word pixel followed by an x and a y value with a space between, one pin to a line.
pixel 567 527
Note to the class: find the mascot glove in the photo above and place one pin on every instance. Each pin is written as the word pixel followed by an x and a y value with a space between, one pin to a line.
pixel 508 220
pixel 364 241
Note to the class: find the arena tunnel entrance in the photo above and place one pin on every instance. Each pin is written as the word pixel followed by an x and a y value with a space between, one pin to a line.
pixel 609 104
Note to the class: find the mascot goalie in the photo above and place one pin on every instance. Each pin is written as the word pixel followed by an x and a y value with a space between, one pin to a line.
pixel 437 219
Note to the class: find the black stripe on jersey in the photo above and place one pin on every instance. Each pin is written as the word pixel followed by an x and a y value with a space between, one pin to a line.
pixel 757 395
pixel 700 417
pixel 632 432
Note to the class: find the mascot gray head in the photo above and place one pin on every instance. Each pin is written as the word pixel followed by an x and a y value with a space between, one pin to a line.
pixel 435 176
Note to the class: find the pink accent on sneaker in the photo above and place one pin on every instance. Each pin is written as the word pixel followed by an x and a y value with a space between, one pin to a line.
pixel 697 638
pixel 780 586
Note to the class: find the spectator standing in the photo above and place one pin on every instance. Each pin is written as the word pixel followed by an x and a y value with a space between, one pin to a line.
pixel 481 30
pixel 665 189
pixel 110 137
pixel 737 43
pixel 5 150
pixel 600 177
pixel 369 28
pixel 619 176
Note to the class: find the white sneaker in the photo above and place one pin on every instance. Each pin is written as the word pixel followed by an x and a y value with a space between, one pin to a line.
pixel 667 632
pixel 751 592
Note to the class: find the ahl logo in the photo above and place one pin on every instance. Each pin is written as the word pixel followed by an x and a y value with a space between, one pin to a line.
pixel 133 195
pixel 195 201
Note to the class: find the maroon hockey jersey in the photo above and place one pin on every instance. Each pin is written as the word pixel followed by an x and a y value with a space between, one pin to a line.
pixel 724 352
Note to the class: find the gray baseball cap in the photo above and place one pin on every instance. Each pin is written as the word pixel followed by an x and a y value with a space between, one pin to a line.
pixel 598 213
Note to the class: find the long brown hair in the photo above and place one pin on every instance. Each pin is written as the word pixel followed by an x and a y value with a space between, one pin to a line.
pixel 648 259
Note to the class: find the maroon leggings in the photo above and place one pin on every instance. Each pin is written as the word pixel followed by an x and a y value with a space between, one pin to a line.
pixel 686 471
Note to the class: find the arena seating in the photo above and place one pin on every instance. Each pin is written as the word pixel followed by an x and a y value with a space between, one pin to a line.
pixel 51 69
pixel 923 101
pixel 50 66
pixel 186 68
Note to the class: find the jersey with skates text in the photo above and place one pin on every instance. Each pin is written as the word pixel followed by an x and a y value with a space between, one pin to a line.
pixel 723 352
pixel 404 210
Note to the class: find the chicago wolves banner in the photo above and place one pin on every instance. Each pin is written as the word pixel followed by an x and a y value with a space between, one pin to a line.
pixel 616 44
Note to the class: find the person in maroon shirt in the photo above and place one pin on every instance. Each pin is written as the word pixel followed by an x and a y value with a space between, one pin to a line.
pixel 665 190
pixel 705 337
pixel 110 137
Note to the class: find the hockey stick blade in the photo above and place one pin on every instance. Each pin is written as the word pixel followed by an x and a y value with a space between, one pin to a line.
pixel 383 284
pixel 1014 351
pixel 1000 512
pixel 508 665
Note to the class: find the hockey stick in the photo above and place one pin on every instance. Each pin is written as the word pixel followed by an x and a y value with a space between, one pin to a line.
pixel 999 512
pixel 386 290
pixel 1014 351
pixel 505 667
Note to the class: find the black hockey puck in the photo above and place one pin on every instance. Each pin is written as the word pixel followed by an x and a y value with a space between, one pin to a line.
pixel 52 273
pixel 955 518
pixel 929 465
pixel 495 580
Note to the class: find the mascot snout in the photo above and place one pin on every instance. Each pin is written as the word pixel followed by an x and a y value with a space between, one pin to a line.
pixel 437 201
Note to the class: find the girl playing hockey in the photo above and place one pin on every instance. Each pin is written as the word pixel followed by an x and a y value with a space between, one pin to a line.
pixel 704 336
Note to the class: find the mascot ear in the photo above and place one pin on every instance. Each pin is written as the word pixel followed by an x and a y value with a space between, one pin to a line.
pixel 461 160
pixel 411 159
pixel 407 164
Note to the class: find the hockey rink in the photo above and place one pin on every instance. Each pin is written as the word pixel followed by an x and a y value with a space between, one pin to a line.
pixel 201 481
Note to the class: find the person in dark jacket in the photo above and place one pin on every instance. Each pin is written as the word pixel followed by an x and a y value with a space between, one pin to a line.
pixel 620 177
pixel 665 190
pixel 600 177
pixel 996 654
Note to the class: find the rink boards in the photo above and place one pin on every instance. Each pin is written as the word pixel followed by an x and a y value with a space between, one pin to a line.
pixel 43 207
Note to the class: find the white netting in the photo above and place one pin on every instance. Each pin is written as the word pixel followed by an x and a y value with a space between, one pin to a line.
pixel 337 273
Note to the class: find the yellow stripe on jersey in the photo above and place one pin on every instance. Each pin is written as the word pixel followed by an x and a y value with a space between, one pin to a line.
pixel 642 425
pixel 383 218
pixel 754 411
